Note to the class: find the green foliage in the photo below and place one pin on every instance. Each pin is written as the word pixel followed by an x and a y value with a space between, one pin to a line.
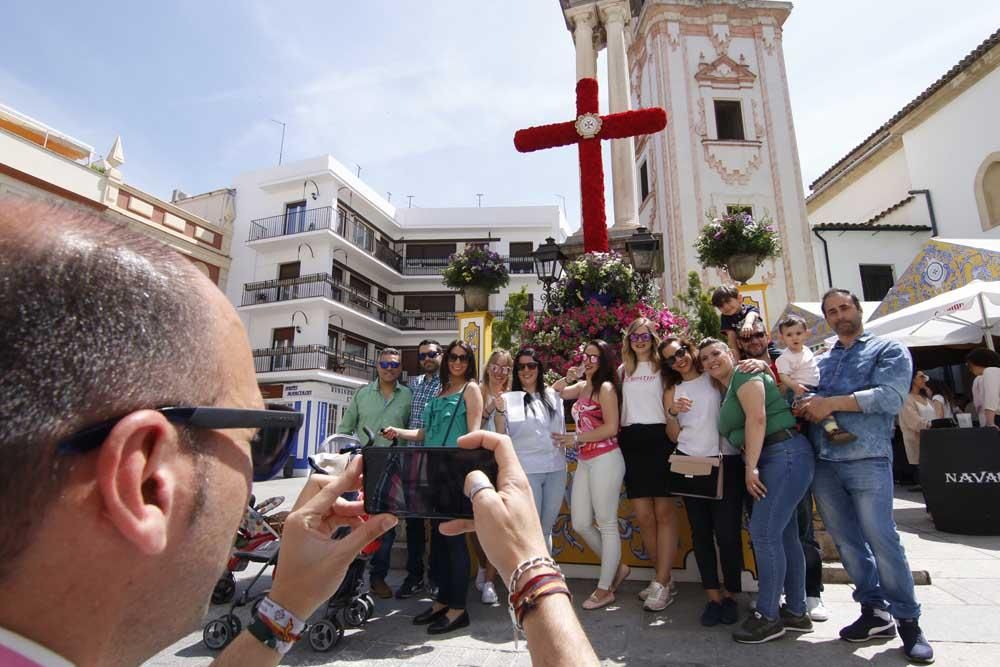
pixel 602 277
pixel 507 328
pixel 703 319
pixel 736 234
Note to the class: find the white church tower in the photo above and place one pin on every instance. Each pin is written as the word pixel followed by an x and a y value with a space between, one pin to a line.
pixel 718 68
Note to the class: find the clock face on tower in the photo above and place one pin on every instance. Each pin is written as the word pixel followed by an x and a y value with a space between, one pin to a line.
pixel 588 125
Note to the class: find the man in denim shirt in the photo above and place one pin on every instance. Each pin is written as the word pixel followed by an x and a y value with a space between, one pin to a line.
pixel 864 379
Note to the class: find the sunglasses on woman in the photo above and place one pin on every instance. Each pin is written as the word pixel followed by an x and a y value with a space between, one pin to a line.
pixel 388 364
pixel 677 356
pixel 497 369
pixel 458 358
pixel 528 365
pixel 592 358
pixel 427 355
pixel 640 337
pixel 269 447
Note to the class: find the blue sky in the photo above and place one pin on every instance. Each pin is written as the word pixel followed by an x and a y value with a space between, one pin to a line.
pixel 425 96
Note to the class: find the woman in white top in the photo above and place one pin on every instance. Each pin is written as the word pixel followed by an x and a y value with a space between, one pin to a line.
pixel 985 365
pixel 646 448
pixel 692 420
pixel 530 413
pixel 916 415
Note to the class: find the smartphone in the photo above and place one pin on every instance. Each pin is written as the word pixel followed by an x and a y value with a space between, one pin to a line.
pixel 422 482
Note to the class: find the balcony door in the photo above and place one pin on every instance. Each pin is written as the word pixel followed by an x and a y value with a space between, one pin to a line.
pixel 289 271
pixel 295 217
pixel 282 338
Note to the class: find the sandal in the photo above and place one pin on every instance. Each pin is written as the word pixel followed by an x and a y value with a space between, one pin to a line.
pixel 620 576
pixel 594 602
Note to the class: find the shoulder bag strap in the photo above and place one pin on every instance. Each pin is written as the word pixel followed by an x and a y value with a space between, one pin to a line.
pixel 461 400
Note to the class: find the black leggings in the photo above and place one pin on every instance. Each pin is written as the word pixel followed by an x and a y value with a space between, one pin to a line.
pixel 720 521
pixel 449 566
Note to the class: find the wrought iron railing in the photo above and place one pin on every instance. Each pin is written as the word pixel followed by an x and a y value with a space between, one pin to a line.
pixel 323 285
pixel 311 357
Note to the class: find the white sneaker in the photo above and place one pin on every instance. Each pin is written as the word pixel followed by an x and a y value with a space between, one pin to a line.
pixel 659 598
pixel 489 593
pixel 644 593
pixel 816 610
pixel 480 578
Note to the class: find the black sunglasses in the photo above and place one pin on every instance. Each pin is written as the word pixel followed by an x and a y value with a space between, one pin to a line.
pixel 530 365
pixel 427 355
pixel 458 358
pixel 388 364
pixel 677 356
pixel 269 447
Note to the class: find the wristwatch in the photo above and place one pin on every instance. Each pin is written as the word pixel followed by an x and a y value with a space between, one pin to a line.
pixel 262 631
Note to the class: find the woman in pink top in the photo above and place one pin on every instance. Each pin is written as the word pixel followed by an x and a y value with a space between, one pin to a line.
pixel 600 467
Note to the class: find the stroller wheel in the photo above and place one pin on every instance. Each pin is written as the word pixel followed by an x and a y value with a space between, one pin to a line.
pixel 225 589
pixel 356 613
pixel 217 634
pixel 369 605
pixel 324 635
pixel 235 625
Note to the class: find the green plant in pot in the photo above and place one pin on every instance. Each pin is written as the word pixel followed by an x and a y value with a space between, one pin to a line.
pixel 737 242
pixel 476 271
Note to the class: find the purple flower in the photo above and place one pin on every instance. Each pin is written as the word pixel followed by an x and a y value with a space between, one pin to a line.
pixel 718 235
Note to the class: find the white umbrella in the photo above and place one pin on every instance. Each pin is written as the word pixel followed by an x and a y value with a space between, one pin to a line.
pixel 963 315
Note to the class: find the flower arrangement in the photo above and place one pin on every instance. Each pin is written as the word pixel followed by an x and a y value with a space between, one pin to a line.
pixel 559 337
pixel 736 234
pixel 476 266
pixel 604 277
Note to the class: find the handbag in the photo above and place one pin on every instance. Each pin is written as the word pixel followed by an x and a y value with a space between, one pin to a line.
pixel 696 476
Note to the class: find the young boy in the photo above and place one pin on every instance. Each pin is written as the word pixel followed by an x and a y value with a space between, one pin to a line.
pixel 799 372
pixel 737 318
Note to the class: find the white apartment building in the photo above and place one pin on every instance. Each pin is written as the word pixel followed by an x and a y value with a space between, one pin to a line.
pixel 326 272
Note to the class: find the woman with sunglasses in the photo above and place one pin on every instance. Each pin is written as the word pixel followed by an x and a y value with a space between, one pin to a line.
pixel 646 448
pixel 779 469
pixel 496 380
pixel 600 467
pixel 457 410
pixel 531 432
pixel 692 421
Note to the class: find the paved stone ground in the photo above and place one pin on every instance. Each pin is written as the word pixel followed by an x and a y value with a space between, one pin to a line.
pixel 961 617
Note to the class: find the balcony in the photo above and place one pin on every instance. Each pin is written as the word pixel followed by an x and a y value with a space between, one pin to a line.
pixel 325 286
pixel 310 358
pixel 362 236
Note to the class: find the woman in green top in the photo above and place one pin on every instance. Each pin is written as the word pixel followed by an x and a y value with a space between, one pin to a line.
pixel 457 410
pixel 779 469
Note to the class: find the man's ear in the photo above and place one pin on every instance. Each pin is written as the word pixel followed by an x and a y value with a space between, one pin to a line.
pixel 137 479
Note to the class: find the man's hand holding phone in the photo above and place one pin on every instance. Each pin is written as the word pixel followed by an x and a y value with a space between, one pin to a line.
pixel 505 517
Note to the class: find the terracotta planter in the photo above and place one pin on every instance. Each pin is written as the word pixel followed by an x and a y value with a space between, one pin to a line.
pixel 742 267
pixel 476 298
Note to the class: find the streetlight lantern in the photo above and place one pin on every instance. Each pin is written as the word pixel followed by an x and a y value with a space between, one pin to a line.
pixel 644 252
pixel 549 260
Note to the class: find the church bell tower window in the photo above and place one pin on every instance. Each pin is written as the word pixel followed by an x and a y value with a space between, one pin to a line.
pixel 729 120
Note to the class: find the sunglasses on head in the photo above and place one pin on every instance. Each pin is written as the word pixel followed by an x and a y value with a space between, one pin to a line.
pixel 427 355
pixel 677 356
pixel 269 447
pixel 458 358
pixel 528 365
pixel 388 364
pixel 640 337
pixel 497 369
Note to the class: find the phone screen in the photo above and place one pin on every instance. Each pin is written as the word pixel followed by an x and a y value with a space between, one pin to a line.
pixel 422 482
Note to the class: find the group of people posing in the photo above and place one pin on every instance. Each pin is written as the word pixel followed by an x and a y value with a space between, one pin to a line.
pixel 782 433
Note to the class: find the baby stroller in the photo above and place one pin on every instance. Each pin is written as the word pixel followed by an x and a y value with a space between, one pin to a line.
pixel 352 605
pixel 257 541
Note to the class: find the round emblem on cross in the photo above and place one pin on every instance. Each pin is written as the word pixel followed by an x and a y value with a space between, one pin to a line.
pixel 588 125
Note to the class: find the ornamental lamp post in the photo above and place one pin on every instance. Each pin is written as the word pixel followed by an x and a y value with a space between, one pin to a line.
pixel 644 254
pixel 549 260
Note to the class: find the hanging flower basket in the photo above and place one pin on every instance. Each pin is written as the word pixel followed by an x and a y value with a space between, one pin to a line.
pixel 738 243
pixel 476 271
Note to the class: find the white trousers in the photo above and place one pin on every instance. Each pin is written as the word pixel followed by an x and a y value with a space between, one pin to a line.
pixel 597 486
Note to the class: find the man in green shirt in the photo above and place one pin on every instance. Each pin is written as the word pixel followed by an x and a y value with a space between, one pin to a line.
pixel 384 402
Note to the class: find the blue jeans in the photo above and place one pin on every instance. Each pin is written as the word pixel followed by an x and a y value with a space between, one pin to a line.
pixel 786 469
pixel 380 559
pixel 855 501
pixel 549 489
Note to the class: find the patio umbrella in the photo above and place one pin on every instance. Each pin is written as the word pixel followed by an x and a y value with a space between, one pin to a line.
pixel 960 316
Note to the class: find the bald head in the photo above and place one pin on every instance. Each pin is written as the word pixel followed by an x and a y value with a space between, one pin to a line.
pixel 96 321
